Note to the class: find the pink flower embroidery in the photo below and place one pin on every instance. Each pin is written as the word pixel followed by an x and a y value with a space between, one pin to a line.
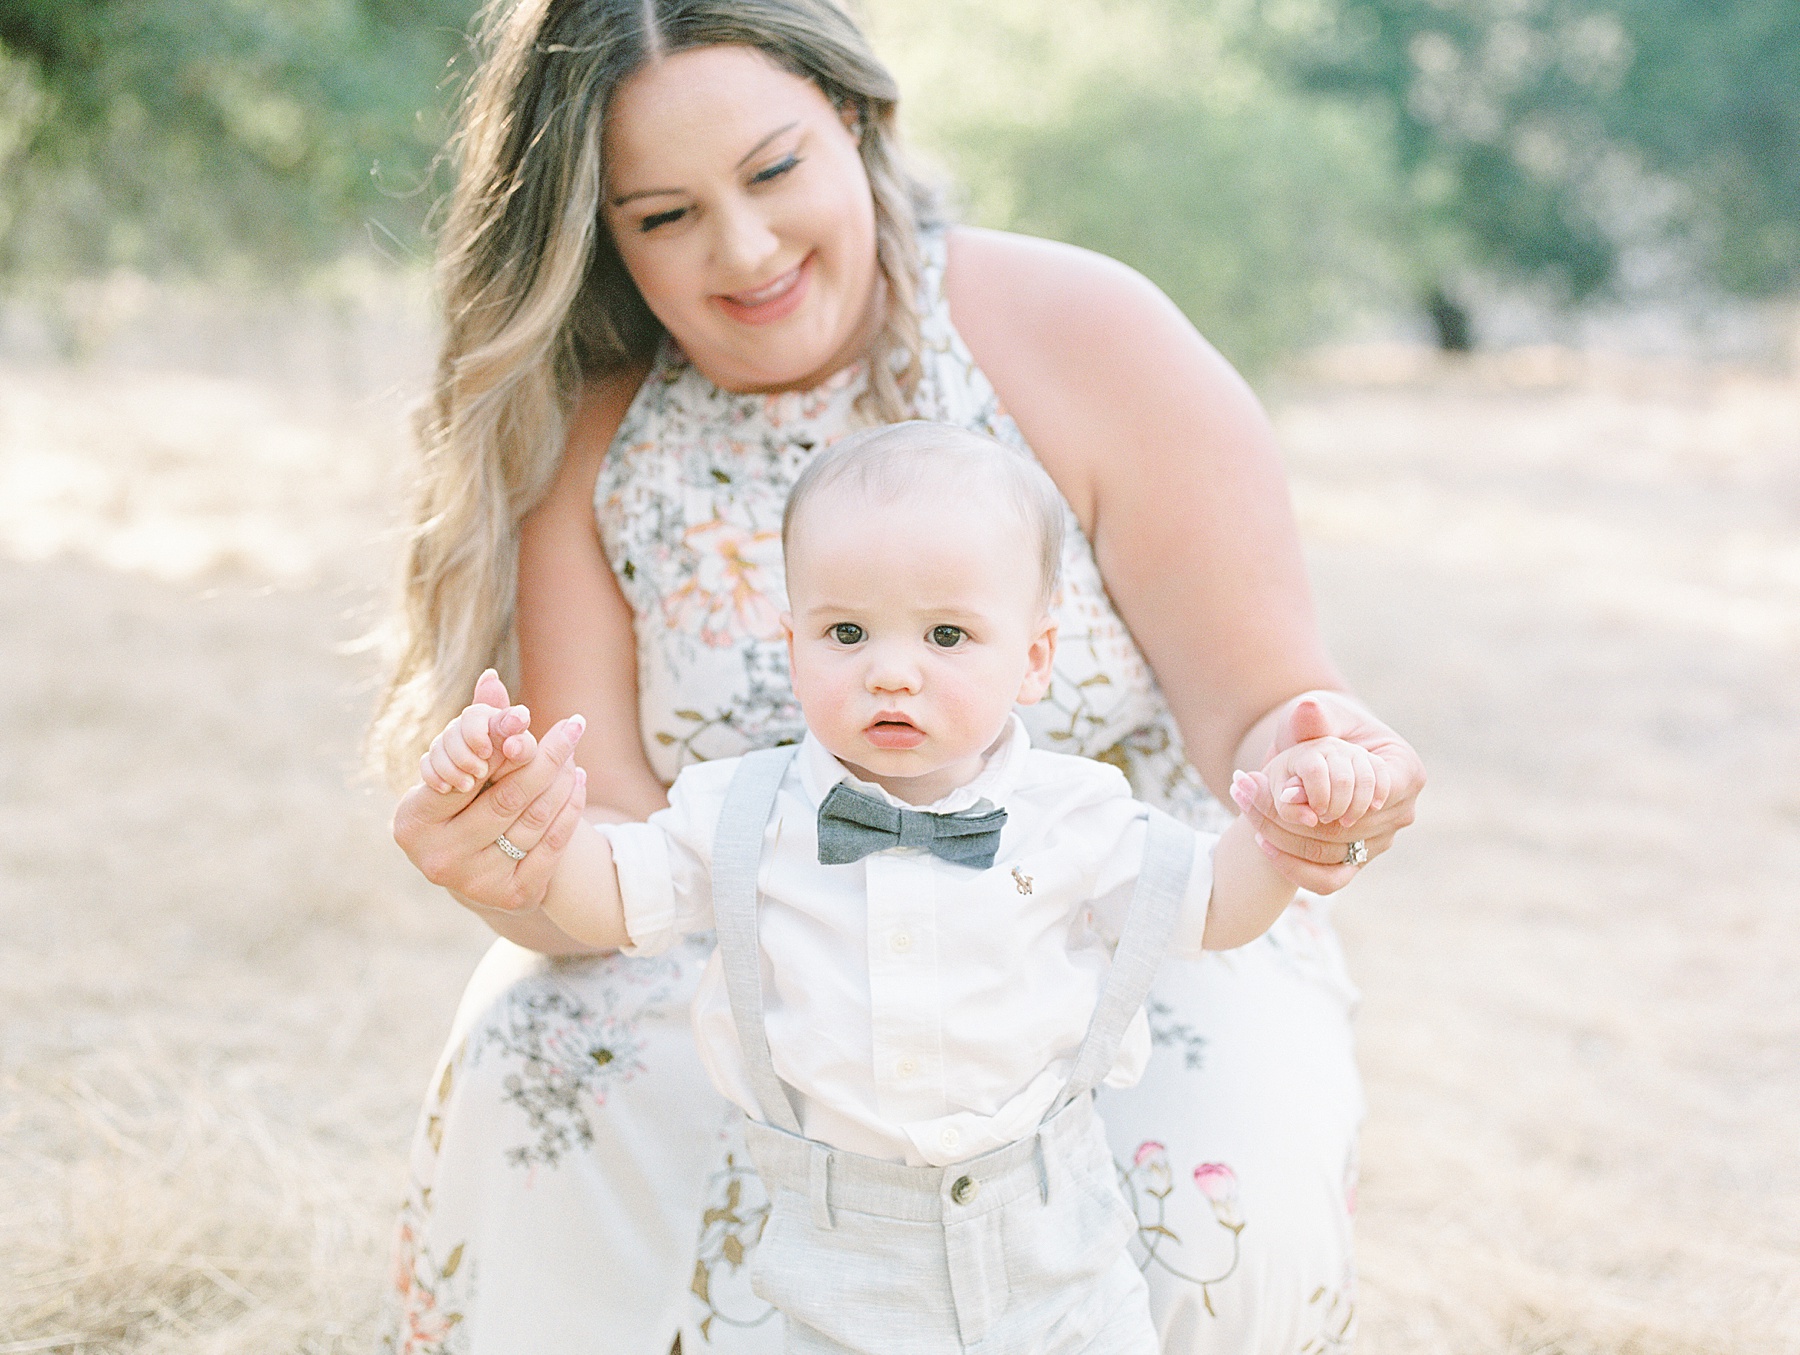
pixel 1146 1150
pixel 1219 1184
pixel 1216 1181
pixel 727 598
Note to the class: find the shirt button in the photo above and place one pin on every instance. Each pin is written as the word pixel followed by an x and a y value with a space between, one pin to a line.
pixel 901 942
pixel 906 1066
pixel 964 1189
pixel 950 1138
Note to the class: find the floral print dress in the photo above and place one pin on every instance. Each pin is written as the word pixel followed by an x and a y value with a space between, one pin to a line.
pixel 577 1186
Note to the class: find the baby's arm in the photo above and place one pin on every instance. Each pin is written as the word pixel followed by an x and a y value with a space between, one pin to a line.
pixel 1248 893
pixel 583 898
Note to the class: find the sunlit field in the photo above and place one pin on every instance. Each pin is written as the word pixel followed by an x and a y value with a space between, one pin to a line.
pixel 1573 579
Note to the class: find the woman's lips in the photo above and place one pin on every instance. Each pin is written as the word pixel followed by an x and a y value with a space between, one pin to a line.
pixel 896 733
pixel 774 300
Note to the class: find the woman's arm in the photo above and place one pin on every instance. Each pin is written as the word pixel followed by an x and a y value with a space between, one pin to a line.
pixel 577 645
pixel 1171 466
pixel 577 655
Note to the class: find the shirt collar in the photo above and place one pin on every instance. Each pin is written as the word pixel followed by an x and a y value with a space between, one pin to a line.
pixel 993 784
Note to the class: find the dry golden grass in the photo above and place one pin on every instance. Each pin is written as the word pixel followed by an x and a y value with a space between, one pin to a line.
pixel 1576 582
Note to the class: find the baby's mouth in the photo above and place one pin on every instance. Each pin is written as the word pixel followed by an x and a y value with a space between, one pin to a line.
pixel 890 729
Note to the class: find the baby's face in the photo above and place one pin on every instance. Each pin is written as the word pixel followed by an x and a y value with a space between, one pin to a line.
pixel 915 627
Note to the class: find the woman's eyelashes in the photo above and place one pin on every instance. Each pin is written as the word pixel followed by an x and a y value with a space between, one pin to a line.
pixel 762 176
pixel 776 170
pixel 656 219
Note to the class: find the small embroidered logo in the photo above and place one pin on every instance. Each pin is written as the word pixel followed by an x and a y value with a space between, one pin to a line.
pixel 1022 880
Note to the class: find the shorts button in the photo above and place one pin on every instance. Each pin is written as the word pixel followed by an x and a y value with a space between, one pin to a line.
pixel 964 1189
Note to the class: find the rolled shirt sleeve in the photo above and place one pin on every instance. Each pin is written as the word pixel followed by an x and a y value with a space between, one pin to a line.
pixel 1117 872
pixel 665 864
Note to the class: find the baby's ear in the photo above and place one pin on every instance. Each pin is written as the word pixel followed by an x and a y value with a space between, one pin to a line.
pixel 1041 658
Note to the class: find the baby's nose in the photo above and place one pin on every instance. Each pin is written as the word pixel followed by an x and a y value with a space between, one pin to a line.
pixel 891 673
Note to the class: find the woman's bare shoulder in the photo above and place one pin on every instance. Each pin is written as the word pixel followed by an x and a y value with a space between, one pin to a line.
pixel 600 407
pixel 997 277
pixel 1088 355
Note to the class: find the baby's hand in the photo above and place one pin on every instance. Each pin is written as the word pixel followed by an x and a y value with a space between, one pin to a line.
pixel 1327 781
pixel 479 744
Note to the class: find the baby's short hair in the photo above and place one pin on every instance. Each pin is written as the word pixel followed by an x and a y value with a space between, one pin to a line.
pixel 902 458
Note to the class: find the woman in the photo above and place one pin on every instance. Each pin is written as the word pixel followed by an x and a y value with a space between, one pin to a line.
pixel 683 253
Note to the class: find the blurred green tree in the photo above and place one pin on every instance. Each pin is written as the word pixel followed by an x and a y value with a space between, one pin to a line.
pixel 1569 139
pixel 1146 130
pixel 216 135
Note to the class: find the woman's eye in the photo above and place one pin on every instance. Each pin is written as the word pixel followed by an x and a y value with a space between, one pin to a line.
pixel 845 633
pixel 656 219
pixel 776 170
pixel 947 637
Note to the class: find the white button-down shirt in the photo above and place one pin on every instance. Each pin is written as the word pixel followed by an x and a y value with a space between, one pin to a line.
pixel 923 1012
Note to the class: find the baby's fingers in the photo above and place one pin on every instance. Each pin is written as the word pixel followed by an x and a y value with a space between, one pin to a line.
pixel 510 731
pixel 1307 793
pixel 439 770
pixel 1362 792
pixel 474 727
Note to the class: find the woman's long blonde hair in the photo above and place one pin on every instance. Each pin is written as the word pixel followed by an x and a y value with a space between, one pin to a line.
pixel 536 299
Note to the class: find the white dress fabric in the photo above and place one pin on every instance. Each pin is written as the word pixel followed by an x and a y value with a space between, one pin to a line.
pixel 578 1186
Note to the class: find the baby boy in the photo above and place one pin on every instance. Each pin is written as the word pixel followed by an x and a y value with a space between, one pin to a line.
pixel 934 940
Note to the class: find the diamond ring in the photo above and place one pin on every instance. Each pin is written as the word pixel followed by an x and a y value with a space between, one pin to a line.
pixel 1356 854
pixel 518 855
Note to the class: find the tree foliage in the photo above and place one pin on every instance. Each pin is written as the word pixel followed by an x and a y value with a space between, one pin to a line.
pixel 192 133
pixel 1274 164
pixel 1560 136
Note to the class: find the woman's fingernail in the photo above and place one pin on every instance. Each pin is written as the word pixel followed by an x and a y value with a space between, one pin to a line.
pixel 467 784
pixel 1293 795
pixel 577 726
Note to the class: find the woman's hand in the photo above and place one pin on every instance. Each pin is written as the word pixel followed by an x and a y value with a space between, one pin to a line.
pixel 1313 855
pixel 534 797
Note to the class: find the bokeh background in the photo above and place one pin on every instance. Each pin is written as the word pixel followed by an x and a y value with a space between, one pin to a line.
pixel 1518 280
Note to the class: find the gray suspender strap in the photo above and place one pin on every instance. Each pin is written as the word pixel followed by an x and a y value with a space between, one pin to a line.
pixel 1155 903
pixel 736 858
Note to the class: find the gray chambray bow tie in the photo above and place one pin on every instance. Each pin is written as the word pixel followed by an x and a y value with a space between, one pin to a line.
pixel 853 824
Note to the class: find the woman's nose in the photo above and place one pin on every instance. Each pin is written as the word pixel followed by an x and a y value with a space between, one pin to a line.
pixel 746 243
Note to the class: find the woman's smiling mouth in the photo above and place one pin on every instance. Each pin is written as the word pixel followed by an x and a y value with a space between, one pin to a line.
pixel 774 300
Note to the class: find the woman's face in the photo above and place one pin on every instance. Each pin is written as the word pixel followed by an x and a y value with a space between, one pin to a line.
pixel 740 206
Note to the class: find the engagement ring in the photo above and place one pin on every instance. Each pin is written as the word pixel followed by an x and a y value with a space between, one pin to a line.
pixel 1356 854
pixel 518 855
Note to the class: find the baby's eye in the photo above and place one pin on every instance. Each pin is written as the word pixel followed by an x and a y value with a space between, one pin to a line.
pixel 947 637
pixel 847 633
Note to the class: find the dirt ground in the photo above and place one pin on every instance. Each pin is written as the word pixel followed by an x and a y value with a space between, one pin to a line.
pixel 1573 580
